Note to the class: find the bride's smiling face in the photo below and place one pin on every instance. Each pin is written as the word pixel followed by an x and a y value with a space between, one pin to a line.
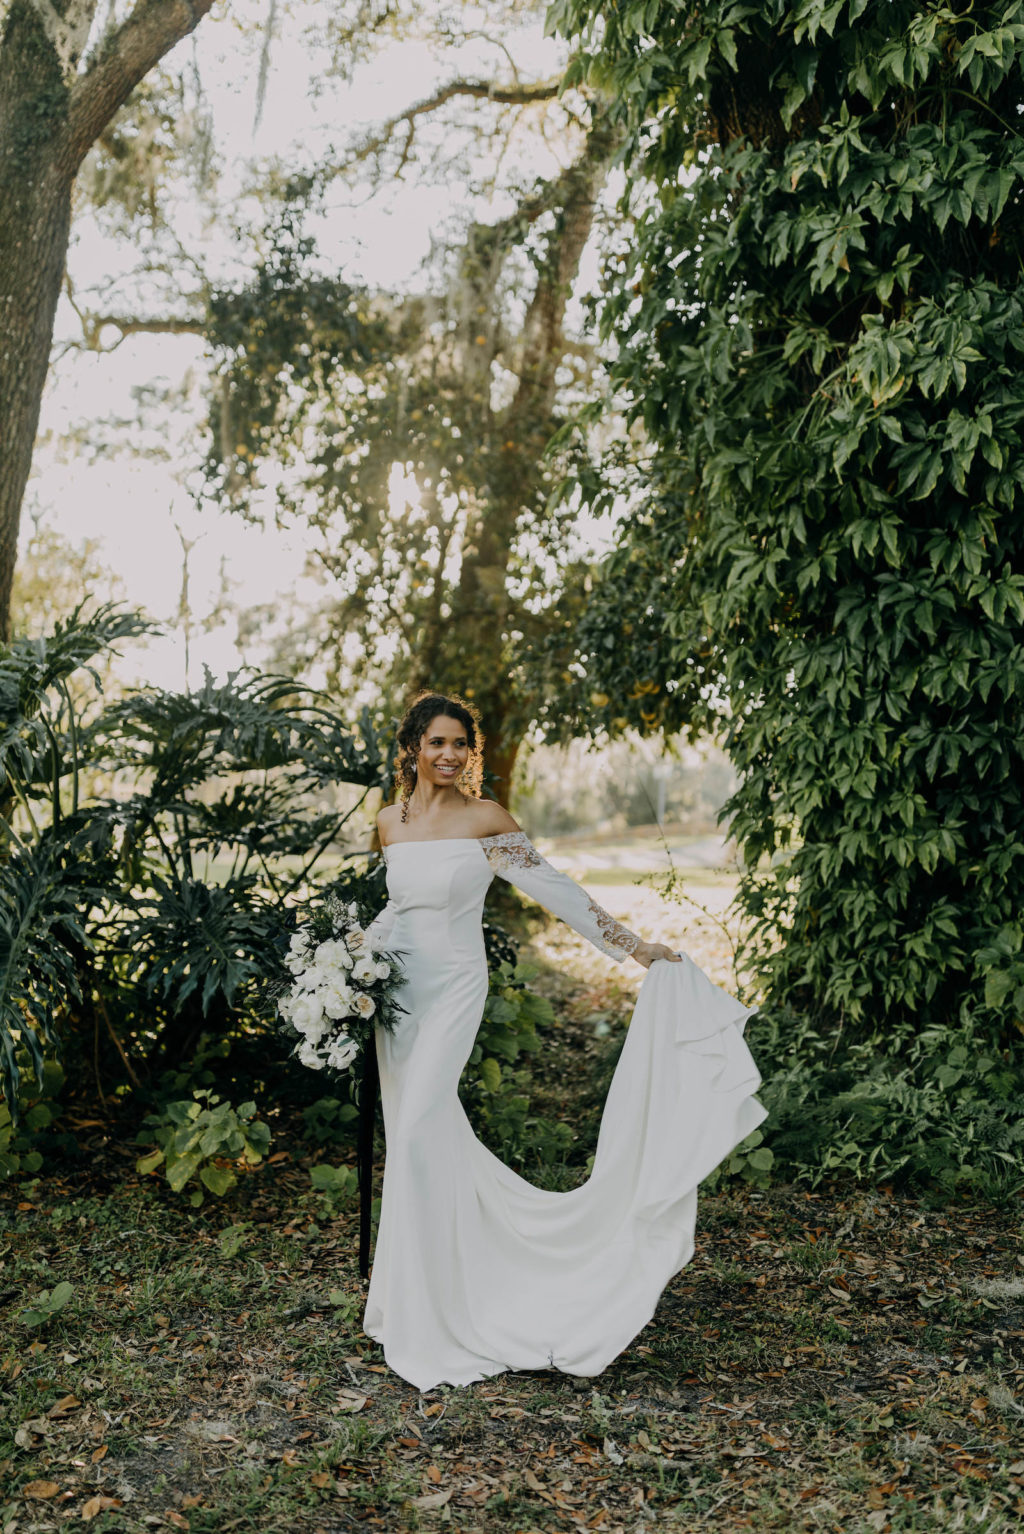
pixel 444 751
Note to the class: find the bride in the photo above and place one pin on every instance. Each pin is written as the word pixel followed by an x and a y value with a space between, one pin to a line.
pixel 476 1271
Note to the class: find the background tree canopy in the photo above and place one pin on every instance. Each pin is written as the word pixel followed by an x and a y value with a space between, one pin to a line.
pixel 820 328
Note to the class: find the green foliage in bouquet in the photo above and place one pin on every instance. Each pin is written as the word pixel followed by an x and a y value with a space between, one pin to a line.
pixel 202 1141
pixel 818 321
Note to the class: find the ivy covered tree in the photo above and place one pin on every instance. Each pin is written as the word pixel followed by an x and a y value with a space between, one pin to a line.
pixel 820 326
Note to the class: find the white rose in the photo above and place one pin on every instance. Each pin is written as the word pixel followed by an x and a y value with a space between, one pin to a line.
pixel 355 937
pixel 342 1052
pixel 309 1056
pixel 364 970
pixel 363 1005
pixel 299 942
pixel 383 970
pixel 285 1004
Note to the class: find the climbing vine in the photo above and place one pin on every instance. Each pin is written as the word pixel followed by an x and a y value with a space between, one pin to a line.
pixel 820 326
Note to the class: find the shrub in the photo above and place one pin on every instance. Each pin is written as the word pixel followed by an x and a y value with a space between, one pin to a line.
pixel 196 1138
pixel 153 845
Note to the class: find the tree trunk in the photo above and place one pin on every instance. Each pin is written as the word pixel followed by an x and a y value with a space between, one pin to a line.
pixel 482 611
pixel 49 118
pixel 500 758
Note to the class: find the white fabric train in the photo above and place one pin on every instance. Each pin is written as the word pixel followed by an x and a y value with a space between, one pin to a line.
pixel 477 1271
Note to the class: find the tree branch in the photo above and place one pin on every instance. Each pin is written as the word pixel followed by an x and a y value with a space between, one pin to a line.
pixel 487 90
pixel 94 324
pixel 150 31
pixel 68 32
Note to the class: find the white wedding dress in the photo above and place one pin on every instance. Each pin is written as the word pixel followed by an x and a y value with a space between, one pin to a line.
pixel 477 1271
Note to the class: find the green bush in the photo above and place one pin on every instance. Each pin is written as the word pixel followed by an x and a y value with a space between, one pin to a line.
pixel 195 1138
pixel 495 1093
pixel 937 1108
pixel 336 1185
pixel 21 1142
pixel 152 848
pixel 328 1120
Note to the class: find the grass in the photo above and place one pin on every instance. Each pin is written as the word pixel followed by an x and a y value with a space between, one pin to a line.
pixel 183 1387
pixel 844 1361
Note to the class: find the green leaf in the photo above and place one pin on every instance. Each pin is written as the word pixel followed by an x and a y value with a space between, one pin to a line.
pixel 218 1179
pixel 490 1074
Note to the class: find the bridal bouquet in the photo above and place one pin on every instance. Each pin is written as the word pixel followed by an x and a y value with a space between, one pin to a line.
pixel 341 988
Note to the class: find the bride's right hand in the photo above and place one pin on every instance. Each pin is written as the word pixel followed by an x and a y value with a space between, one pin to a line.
pixel 646 953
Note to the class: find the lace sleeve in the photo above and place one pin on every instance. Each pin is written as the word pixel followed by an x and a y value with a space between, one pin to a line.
pixel 514 857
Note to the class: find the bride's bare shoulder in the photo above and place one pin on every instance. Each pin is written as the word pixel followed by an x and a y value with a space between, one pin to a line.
pixel 387 818
pixel 491 819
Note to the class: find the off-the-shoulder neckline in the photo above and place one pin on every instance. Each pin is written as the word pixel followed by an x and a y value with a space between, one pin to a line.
pixel 432 841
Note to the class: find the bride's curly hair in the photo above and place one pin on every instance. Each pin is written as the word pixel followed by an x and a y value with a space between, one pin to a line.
pixel 423 708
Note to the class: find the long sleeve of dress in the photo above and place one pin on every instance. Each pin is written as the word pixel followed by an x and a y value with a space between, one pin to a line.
pixel 514 857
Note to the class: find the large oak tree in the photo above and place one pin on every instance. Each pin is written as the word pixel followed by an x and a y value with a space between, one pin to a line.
pixel 61 83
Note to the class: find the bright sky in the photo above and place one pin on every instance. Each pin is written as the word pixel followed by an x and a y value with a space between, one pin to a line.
pixel 136 506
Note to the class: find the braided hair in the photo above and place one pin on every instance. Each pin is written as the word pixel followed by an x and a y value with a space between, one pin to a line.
pixel 414 725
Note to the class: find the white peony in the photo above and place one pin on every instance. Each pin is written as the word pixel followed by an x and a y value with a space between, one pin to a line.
pixel 364 969
pixel 342 1052
pixel 336 1000
pixel 313 978
pixel 363 1005
pixel 332 954
pixel 307 1015
pixel 309 1056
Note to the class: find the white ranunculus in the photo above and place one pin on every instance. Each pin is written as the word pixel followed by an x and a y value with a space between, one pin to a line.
pixel 336 1000
pixel 363 1005
pixel 309 1056
pixel 364 969
pixel 332 954
pixel 342 1052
